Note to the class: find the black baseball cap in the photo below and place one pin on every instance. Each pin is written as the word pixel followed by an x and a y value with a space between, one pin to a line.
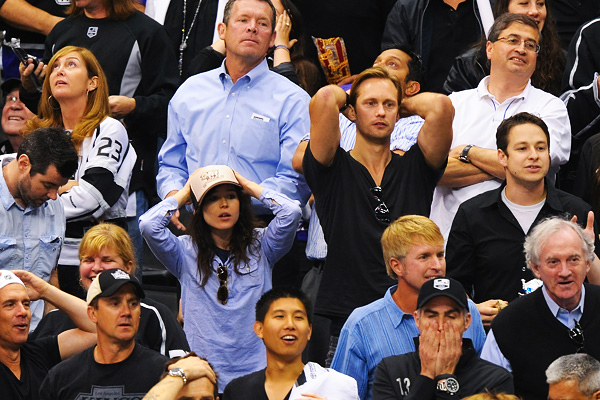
pixel 9 85
pixel 442 287
pixel 109 282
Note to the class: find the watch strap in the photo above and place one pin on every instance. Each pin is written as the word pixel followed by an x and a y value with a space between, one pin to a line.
pixel 464 155
pixel 178 372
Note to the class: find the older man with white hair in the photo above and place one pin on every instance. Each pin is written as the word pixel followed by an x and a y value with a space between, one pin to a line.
pixel 558 319
pixel 574 377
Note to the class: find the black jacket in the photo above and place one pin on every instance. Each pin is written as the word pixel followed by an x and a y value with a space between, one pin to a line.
pixel 410 25
pixel 398 377
pixel 467 71
pixel 484 251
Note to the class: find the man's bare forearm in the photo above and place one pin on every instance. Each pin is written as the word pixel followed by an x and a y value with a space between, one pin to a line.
pixel 22 15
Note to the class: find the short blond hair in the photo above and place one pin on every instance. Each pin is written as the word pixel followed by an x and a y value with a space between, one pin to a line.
pixel 492 396
pixel 108 235
pixel 403 233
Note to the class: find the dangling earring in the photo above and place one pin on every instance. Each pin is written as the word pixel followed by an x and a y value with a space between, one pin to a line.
pixel 50 103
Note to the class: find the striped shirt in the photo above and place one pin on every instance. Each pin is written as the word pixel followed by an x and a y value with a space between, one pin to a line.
pixel 381 329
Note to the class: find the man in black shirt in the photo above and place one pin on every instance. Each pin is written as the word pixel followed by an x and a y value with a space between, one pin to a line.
pixel 283 322
pixel 358 193
pixel 445 365
pixel 116 366
pixel 485 245
pixel 23 364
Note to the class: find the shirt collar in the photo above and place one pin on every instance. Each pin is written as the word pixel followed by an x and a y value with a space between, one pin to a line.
pixel 555 308
pixel 250 77
pixel 5 197
pixel 482 90
pixel 551 196
pixel 396 314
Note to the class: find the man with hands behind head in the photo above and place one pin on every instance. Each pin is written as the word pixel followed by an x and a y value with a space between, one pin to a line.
pixel 445 364
pixel 187 378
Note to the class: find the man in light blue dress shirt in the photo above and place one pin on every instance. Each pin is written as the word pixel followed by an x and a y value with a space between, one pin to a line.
pixel 242 114
pixel 33 220
pixel 413 249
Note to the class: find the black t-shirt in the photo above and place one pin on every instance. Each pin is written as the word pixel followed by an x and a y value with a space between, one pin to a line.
pixel 81 377
pixel 37 357
pixel 251 386
pixel 354 273
pixel 453 32
pixel 158 331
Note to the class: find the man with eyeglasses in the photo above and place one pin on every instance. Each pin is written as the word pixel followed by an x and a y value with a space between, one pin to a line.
pixel 14 116
pixel 473 166
pixel 358 193
pixel 559 318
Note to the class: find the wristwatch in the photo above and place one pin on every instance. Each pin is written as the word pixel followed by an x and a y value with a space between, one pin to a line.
pixel 449 385
pixel 178 372
pixel 464 155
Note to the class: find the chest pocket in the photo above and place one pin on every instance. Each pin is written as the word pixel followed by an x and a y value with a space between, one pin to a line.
pixel 259 142
pixel 8 253
pixel 250 277
pixel 50 247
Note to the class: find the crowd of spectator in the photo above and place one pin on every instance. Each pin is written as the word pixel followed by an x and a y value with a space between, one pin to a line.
pixel 392 199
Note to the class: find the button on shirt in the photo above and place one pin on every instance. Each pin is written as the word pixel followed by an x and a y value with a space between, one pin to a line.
pixel 253 125
pixel 30 238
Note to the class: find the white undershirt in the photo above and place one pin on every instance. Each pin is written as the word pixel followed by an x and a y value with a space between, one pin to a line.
pixel 525 215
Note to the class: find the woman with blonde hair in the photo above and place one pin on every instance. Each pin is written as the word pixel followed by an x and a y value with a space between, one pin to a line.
pixel 107 246
pixel 75 97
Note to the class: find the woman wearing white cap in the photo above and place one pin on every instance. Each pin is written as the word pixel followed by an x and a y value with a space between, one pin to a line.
pixel 224 265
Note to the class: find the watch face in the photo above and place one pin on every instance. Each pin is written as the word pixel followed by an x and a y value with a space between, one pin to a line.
pixel 452 385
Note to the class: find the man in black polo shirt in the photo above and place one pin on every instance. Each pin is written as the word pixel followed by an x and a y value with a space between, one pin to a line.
pixel 358 193
pixel 485 245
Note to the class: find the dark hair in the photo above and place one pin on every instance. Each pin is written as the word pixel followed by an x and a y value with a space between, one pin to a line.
pixel 507 19
pixel 518 119
pixel 268 298
pixel 193 354
pixel 372 73
pixel 415 65
pixel 307 71
pixel 50 146
pixel 115 9
pixel 551 59
pixel 243 237
pixel 229 7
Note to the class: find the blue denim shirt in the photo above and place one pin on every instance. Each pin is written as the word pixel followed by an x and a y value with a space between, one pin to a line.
pixel 30 238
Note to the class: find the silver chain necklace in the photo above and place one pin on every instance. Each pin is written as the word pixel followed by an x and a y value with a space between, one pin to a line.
pixel 184 36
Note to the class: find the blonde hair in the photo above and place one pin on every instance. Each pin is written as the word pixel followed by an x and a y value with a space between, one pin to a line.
pixel 106 235
pixel 492 396
pixel 96 110
pixel 404 232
